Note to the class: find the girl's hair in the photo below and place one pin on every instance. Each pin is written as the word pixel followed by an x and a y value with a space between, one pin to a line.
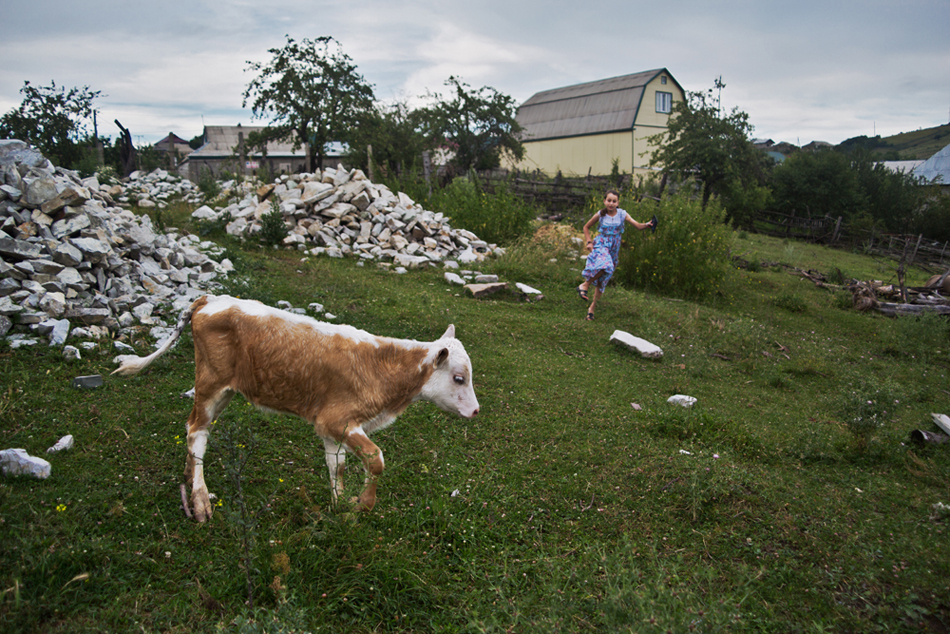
pixel 603 211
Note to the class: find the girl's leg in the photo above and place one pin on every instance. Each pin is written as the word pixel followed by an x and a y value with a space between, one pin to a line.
pixel 585 285
pixel 593 304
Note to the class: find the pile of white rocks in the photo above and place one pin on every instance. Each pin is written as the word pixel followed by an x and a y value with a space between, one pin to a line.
pixel 75 263
pixel 151 190
pixel 339 212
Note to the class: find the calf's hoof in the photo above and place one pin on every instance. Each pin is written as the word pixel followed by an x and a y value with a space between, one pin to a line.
pixel 364 504
pixel 202 506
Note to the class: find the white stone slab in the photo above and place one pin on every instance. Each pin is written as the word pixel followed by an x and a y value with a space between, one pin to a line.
pixel 646 349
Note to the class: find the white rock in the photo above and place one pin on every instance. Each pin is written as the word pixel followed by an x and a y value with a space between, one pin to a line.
pixel 19 462
pixel 453 278
pixel 64 443
pixel 636 344
pixel 204 213
pixel 681 399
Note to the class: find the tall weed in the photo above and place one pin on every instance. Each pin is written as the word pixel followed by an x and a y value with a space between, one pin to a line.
pixel 865 405
pixel 687 256
pixel 498 218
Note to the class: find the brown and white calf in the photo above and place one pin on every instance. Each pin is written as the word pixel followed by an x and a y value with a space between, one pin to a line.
pixel 346 382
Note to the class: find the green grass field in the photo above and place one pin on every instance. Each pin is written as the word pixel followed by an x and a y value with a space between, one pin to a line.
pixel 782 501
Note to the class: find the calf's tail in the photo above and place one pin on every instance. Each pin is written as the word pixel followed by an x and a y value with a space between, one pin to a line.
pixel 130 364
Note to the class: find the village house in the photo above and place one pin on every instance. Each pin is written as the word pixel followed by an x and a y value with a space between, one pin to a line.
pixel 585 128
pixel 174 148
pixel 223 151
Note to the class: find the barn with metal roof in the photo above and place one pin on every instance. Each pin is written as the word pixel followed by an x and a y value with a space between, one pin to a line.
pixel 582 129
pixel 936 169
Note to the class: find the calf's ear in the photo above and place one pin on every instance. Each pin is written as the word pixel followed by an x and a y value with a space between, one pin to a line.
pixel 449 332
pixel 442 357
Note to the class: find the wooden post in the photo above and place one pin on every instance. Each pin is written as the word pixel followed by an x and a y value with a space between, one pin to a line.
pixel 426 170
pixel 900 273
pixel 369 162
pixel 242 156
pixel 914 255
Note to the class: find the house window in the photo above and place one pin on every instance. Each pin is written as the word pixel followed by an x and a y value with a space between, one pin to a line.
pixel 663 79
pixel 664 102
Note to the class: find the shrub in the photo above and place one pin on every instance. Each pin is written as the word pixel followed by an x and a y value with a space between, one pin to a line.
pixel 541 256
pixel 790 302
pixel 208 185
pixel 273 228
pixel 499 217
pixel 688 255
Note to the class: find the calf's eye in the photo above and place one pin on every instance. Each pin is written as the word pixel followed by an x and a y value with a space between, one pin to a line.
pixel 459 379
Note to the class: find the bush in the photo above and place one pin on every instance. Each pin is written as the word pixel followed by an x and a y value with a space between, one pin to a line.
pixel 688 255
pixel 273 227
pixel 208 185
pixel 499 218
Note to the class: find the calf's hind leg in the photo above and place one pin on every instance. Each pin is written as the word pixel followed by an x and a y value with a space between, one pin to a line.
pixel 203 413
pixel 335 455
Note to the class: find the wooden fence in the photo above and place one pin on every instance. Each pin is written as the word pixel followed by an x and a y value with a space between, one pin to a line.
pixel 915 249
pixel 560 195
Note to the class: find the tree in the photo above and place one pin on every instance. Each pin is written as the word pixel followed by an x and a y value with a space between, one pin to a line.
pixel 700 141
pixel 394 133
pixel 852 185
pixel 817 184
pixel 478 125
pixel 53 120
pixel 311 92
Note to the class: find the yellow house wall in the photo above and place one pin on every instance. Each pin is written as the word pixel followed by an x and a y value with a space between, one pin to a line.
pixel 650 122
pixel 574 156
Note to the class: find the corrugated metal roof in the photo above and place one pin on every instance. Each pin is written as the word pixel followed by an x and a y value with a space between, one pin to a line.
pixel 936 169
pixel 607 105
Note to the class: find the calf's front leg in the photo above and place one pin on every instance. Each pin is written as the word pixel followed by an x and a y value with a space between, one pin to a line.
pixel 372 457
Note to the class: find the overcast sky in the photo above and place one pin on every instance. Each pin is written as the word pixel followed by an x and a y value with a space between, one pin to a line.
pixel 803 70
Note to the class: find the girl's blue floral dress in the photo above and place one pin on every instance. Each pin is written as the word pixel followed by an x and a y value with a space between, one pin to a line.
pixel 606 251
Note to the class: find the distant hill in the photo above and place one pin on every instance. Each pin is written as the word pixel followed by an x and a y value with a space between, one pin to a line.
pixel 906 146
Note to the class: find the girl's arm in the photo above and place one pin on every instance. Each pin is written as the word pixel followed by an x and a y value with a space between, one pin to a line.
pixel 639 225
pixel 590 223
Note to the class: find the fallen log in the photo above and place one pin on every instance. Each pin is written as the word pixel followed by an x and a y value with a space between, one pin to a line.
pixel 892 309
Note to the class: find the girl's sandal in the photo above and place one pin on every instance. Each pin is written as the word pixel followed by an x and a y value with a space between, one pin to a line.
pixel 590 316
pixel 583 294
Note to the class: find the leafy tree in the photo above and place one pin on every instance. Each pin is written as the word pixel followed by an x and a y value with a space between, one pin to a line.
pixel 53 120
pixel 311 92
pixel 853 186
pixel 394 133
pixel 478 125
pixel 894 198
pixel 817 184
pixel 933 217
pixel 702 142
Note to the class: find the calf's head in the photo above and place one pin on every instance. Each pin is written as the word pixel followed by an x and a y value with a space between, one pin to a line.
pixel 450 385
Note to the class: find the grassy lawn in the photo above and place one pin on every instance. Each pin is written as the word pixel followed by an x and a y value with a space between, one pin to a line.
pixel 767 506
